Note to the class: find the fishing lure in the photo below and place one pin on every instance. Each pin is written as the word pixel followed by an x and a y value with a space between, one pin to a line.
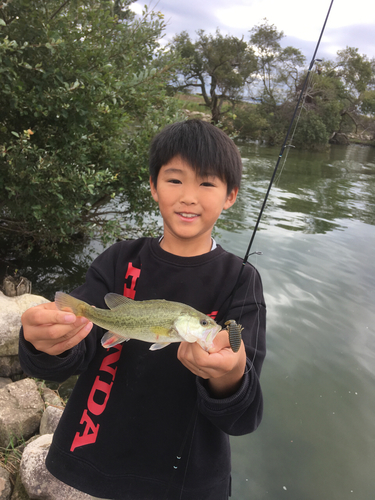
pixel 234 332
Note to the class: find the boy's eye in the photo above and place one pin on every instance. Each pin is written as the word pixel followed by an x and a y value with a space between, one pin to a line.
pixel 208 184
pixel 174 181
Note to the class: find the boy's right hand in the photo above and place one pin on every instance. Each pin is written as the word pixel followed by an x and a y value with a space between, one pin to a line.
pixel 53 331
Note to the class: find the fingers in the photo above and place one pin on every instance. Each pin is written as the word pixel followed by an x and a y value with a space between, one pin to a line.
pixel 217 362
pixel 66 342
pixel 221 341
pixel 53 331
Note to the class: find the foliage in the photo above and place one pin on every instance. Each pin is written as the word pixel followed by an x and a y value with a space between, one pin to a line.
pixel 368 102
pixel 278 68
pixel 250 122
pixel 355 73
pixel 222 63
pixel 311 132
pixel 76 81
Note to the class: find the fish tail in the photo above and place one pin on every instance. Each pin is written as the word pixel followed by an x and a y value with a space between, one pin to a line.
pixel 64 300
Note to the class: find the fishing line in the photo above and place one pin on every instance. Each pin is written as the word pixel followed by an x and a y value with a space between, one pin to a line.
pixel 283 147
pixel 290 145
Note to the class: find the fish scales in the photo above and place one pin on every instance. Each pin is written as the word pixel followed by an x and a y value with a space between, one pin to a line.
pixel 159 321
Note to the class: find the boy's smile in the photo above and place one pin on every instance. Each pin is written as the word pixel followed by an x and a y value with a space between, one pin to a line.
pixel 190 205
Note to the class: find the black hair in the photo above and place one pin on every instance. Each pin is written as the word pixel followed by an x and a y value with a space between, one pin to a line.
pixel 207 149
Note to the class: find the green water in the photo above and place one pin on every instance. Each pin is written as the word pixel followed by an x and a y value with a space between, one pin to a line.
pixel 317 437
pixel 317 238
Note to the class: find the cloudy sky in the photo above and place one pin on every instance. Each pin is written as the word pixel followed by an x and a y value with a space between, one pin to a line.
pixel 349 24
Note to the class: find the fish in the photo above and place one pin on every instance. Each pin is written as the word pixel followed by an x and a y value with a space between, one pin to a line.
pixel 158 321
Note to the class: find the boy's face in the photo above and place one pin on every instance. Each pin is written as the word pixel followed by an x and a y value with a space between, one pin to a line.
pixel 189 204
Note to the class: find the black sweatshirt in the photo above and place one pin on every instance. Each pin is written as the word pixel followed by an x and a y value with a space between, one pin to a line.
pixel 139 425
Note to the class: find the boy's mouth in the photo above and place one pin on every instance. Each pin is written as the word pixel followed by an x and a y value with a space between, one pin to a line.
pixel 187 215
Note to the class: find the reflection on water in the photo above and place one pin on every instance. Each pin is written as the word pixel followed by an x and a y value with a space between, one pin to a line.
pixel 312 191
pixel 317 237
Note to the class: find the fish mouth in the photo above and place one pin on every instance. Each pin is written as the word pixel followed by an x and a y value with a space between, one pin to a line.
pixel 208 337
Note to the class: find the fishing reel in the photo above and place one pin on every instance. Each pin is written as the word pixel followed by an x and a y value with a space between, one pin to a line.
pixel 234 333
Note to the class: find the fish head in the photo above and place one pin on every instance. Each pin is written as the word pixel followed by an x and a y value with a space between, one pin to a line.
pixel 197 327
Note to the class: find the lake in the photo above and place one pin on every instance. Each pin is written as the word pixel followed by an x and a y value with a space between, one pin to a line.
pixel 317 238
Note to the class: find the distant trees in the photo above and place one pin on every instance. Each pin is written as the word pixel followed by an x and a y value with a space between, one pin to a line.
pixel 278 69
pixel 228 71
pixel 219 66
pixel 338 95
pixel 81 95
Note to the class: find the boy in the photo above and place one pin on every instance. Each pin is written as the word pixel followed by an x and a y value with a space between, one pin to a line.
pixel 143 425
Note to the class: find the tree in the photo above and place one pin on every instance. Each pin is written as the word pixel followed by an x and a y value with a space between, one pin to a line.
pixel 277 78
pixel 278 68
pixel 356 73
pixel 81 96
pixel 217 65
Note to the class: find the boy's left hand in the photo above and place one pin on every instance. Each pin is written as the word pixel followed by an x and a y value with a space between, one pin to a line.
pixel 222 367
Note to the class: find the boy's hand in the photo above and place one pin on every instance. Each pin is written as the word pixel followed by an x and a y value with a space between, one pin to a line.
pixel 222 367
pixel 53 331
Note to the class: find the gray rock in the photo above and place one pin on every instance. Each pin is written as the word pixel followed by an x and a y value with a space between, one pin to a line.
pixel 11 310
pixel 4 381
pixel 50 397
pixel 50 419
pixel 5 484
pixel 21 408
pixel 10 366
pixel 38 482
pixel 13 285
pixel 19 492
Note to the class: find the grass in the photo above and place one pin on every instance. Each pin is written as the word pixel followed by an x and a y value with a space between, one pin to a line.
pixel 192 102
pixel 10 457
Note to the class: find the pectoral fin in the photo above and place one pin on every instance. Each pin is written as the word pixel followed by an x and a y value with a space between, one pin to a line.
pixel 156 347
pixel 110 339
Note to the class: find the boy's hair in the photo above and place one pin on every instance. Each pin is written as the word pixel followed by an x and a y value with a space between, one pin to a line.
pixel 207 149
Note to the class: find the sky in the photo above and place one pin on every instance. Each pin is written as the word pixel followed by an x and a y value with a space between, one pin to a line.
pixel 349 24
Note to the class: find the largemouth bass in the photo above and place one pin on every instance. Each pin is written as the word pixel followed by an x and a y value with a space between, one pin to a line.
pixel 157 321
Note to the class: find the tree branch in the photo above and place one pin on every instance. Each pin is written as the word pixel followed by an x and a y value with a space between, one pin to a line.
pixel 59 9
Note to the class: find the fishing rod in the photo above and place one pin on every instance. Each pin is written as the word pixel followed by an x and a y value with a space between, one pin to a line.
pixel 231 325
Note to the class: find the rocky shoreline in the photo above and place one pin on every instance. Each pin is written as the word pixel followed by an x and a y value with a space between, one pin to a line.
pixel 29 414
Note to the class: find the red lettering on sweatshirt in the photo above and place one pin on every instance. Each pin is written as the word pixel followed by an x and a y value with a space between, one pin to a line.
pixel 213 314
pixel 134 273
pixel 90 432
pixel 100 392
pixel 97 401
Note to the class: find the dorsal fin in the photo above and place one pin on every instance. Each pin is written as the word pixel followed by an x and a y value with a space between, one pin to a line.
pixel 114 300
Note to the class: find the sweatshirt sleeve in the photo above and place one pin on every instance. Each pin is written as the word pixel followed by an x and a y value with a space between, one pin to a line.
pixel 54 368
pixel 241 413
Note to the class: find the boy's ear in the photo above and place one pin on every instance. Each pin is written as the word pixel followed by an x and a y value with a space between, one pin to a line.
pixel 231 198
pixel 153 190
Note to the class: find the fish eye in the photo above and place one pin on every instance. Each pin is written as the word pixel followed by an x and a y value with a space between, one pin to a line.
pixel 204 322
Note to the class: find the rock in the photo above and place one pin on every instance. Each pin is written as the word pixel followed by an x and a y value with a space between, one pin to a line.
pixel 50 419
pixel 4 382
pixel 50 397
pixel 19 492
pixel 21 408
pixel 38 482
pixel 11 310
pixel 10 366
pixel 16 285
pixel 5 484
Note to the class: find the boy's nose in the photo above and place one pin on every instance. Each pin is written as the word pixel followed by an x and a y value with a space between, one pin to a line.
pixel 189 196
